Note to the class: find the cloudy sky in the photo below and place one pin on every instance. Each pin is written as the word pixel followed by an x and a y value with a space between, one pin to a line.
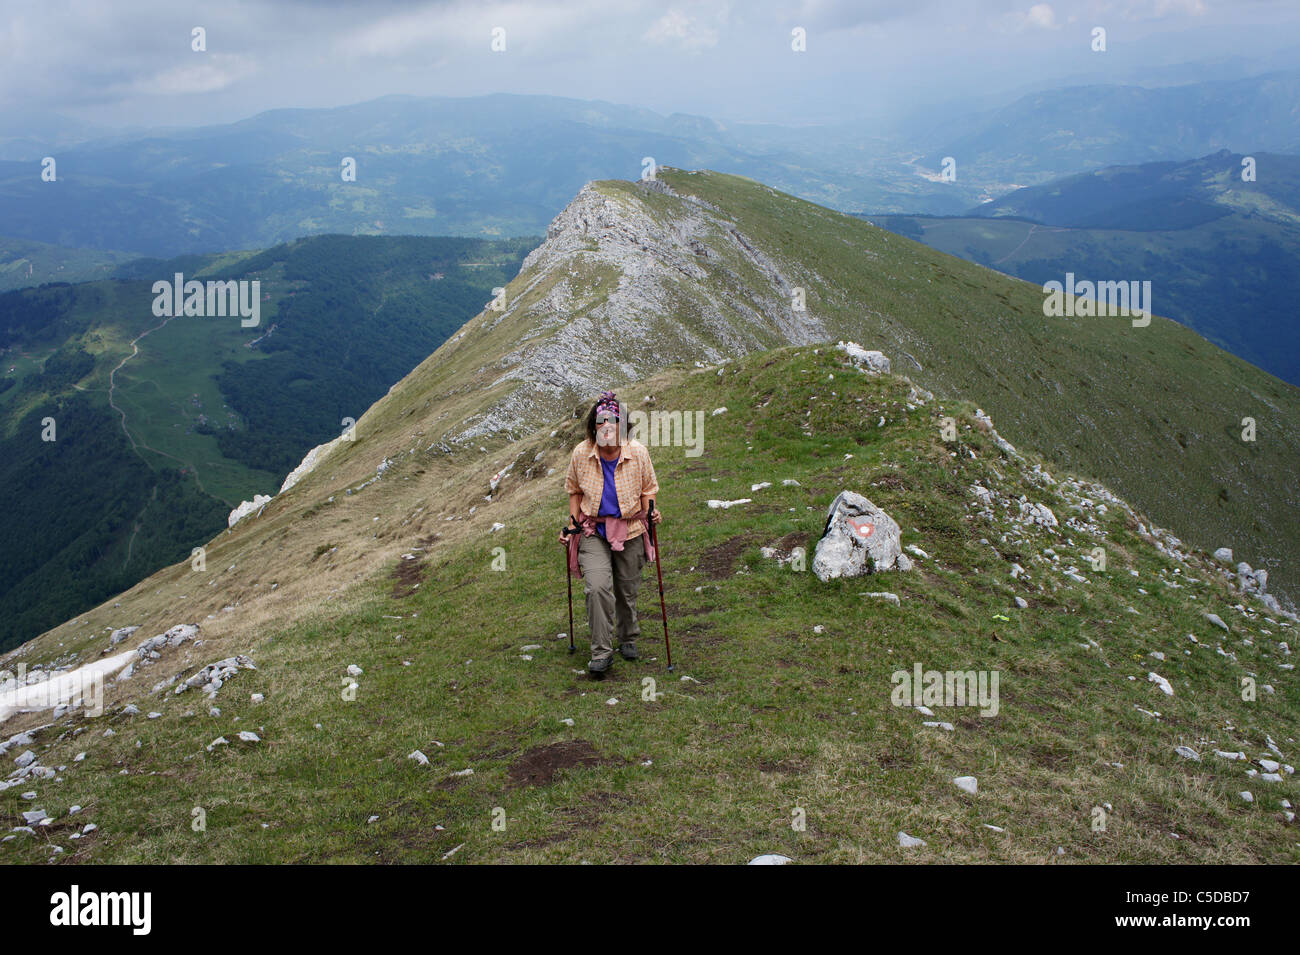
pixel 131 62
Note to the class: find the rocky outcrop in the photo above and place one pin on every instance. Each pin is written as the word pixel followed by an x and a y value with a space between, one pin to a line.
pixel 653 269
pixel 247 507
pixel 872 362
pixel 859 538
pixel 309 462
pixel 212 677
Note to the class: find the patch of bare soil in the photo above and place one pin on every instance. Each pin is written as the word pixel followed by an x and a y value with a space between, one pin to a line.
pixel 538 766
pixel 718 560
pixel 407 577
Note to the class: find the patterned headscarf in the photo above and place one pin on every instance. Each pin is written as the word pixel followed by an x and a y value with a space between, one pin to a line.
pixel 608 404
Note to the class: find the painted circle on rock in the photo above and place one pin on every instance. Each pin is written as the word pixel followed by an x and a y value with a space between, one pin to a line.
pixel 864 530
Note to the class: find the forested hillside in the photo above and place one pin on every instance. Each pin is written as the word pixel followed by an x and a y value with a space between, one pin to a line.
pixel 162 425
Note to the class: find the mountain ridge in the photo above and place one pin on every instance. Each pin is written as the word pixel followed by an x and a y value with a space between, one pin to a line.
pixel 458 696
pixel 861 283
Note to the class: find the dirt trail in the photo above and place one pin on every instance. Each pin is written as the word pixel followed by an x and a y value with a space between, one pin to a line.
pixel 1028 236
pixel 112 386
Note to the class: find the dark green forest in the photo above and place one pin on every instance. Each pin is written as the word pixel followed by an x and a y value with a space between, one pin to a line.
pixel 74 505
pixel 368 313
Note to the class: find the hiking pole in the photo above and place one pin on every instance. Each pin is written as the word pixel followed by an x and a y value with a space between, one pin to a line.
pixel 569 577
pixel 654 542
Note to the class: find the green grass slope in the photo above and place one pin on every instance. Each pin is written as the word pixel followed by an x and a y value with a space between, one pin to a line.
pixel 24 263
pixel 780 709
pixel 1153 412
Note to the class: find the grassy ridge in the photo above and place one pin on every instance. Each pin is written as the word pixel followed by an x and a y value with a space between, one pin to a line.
pixel 1155 412
pixel 775 716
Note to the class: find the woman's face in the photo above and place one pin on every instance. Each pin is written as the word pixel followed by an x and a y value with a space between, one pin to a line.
pixel 606 431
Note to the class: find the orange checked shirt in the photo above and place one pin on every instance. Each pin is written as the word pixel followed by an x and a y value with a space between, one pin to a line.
pixel 634 476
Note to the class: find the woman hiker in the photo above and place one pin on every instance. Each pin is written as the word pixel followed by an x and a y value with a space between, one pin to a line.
pixel 610 483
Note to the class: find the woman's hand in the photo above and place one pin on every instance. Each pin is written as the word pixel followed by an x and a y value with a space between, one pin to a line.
pixel 658 515
pixel 572 527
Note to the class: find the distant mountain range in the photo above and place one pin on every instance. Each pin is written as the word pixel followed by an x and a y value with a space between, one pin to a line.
pixel 1058 132
pixel 1221 253
pixel 503 165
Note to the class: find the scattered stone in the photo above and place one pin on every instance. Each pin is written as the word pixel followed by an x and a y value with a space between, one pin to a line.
pixel 770 860
pixel 1186 752
pixel 1215 619
pixel 1161 682
pixel 909 842
pixel 966 784
pixel 419 757
pixel 117 636
pixel 1040 514
pixel 451 852
pixel 212 677
pixel 248 736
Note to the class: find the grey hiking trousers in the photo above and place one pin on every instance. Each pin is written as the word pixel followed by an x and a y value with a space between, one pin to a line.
pixel 611 579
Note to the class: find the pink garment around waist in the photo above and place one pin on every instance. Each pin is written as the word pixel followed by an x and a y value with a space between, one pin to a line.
pixel 616 534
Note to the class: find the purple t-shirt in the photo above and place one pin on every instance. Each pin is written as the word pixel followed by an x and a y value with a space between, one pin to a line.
pixel 608 496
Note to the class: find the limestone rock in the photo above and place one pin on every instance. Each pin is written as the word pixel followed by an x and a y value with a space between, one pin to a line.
pixel 859 538
pixel 872 362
